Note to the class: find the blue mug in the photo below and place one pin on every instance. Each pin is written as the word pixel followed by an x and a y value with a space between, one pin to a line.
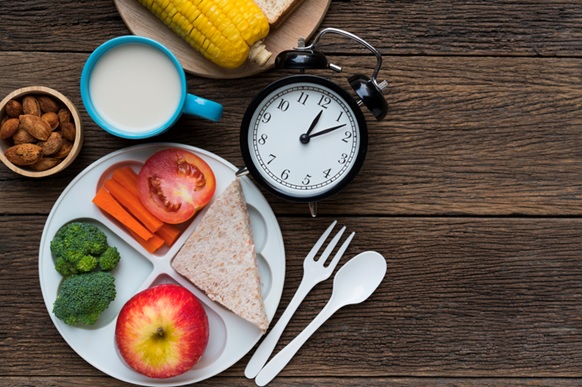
pixel 134 87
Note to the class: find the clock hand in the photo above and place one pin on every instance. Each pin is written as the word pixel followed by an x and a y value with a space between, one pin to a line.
pixel 324 131
pixel 304 138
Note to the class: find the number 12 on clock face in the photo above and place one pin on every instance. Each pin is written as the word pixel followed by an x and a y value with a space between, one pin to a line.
pixel 304 138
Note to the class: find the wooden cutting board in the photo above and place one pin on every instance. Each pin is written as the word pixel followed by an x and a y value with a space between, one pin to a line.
pixel 303 22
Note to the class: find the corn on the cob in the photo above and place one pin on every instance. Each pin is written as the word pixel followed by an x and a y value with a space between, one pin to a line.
pixel 221 30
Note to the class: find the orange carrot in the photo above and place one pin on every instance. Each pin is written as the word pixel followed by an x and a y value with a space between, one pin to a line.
pixel 107 203
pixel 133 205
pixel 169 233
pixel 127 177
pixel 152 245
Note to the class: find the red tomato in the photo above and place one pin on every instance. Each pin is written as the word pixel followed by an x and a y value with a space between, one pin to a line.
pixel 174 184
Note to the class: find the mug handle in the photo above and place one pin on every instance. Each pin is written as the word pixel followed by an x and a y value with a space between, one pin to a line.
pixel 201 107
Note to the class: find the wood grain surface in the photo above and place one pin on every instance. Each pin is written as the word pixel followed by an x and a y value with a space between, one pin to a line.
pixel 472 190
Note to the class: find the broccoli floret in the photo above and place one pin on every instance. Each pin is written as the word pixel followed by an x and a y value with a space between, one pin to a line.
pixel 83 297
pixel 87 263
pixel 109 259
pixel 77 247
pixel 65 268
pixel 75 263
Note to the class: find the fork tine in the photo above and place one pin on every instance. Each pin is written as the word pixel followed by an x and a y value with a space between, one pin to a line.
pixel 320 241
pixel 340 252
pixel 331 245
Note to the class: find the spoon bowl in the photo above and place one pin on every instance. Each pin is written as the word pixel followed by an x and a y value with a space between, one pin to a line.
pixel 358 278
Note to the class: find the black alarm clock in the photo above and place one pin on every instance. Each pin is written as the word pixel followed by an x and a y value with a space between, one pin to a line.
pixel 304 137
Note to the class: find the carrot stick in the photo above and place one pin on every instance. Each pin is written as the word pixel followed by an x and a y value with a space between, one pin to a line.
pixel 169 233
pixel 130 172
pixel 151 245
pixel 108 204
pixel 127 178
pixel 133 205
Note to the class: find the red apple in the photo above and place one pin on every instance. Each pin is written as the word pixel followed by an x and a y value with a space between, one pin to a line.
pixel 162 331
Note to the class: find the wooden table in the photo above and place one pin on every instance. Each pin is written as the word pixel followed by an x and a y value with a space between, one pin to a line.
pixel 472 190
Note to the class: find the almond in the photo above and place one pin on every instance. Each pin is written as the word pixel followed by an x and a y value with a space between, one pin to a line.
pixel 44 163
pixel 52 145
pixel 9 127
pixel 64 150
pixel 30 105
pixel 23 137
pixel 64 116
pixel 47 104
pixel 52 119
pixel 34 125
pixel 23 154
pixel 13 108
pixel 69 131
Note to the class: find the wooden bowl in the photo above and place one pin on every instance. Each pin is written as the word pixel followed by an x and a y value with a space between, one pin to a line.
pixel 63 102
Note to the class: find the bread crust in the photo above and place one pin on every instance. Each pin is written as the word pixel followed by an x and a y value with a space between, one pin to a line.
pixel 277 10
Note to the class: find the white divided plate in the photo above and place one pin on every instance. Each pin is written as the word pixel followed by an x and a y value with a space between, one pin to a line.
pixel 230 336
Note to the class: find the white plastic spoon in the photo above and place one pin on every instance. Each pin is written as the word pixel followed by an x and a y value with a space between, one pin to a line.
pixel 353 283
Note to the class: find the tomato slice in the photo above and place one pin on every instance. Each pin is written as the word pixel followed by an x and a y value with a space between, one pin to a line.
pixel 174 184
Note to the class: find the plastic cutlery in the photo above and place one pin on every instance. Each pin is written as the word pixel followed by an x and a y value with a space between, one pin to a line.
pixel 314 272
pixel 354 283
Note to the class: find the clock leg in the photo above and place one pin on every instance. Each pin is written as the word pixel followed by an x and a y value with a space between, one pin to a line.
pixel 313 209
pixel 242 172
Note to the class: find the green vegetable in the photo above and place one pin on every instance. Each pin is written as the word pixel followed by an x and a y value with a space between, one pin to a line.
pixel 109 259
pixel 84 258
pixel 78 248
pixel 83 297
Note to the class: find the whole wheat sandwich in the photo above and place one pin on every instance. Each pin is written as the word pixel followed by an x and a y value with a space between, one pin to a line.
pixel 219 257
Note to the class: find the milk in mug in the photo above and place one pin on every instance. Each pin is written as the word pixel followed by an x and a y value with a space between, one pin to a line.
pixel 135 87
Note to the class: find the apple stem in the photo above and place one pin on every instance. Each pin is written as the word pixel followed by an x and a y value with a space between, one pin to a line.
pixel 160 332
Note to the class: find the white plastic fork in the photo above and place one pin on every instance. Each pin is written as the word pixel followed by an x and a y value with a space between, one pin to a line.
pixel 314 272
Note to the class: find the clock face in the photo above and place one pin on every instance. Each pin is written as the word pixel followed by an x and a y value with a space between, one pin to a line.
pixel 304 137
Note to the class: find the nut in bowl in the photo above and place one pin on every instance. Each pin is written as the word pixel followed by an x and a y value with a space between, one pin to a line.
pixel 40 131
